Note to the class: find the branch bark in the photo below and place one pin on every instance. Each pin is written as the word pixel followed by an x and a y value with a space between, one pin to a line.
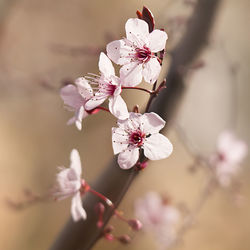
pixel 114 182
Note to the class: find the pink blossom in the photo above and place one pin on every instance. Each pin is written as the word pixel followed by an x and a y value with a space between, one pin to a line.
pixel 136 52
pixel 75 97
pixel 69 183
pixel 140 132
pixel 230 153
pixel 158 218
pixel 108 86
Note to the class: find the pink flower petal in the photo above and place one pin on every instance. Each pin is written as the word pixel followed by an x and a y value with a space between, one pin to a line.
pixel 118 52
pixel 76 162
pixel 118 107
pixel 152 123
pixel 71 97
pixel 105 65
pixel 136 28
pixel 131 74
pixel 151 70
pixel 77 211
pixel 95 101
pixel 157 147
pixel 79 116
pixel 157 40
pixel 128 158
pixel 119 140
pixel 84 88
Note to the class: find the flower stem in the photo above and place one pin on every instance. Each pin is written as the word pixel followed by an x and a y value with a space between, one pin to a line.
pixel 109 203
pixel 104 109
pixel 102 197
pixel 138 88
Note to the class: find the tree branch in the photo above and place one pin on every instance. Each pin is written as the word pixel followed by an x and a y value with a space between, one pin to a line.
pixel 114 182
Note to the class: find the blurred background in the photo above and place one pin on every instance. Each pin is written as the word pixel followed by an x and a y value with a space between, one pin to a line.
pixel 46 43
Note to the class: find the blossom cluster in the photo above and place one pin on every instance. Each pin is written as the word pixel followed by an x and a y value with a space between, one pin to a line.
pixel 139 56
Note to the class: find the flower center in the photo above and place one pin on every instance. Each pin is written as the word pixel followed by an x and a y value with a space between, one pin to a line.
pixel 143 54
pixel 137 138
pixel 107 88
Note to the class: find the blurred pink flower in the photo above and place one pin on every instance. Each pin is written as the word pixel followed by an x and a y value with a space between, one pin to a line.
pixel 109 86
pixel 226 160
pixel 136 132
pixel 136 52
pixel 75 97
pixel 70 183
pixel 158 218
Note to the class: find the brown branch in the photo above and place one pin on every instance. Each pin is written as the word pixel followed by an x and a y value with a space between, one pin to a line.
pixel 114 182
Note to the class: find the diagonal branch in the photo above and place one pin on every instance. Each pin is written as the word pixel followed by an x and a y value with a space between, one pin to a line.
pixel 114 182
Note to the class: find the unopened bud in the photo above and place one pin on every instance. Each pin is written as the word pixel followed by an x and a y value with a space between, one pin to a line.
pixel 124 239
pixel 108 229
pixel 136 225
pixel 109 237
pixel 100 209
pixel 141 165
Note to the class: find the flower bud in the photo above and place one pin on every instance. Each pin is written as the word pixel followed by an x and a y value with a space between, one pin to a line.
pixel 108 229
pixel 136 225
pixel 109 237
pixel 124 239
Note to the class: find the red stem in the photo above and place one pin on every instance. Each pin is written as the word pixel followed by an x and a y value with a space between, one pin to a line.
pixel 109 203
pixel 138 88
pixel 104 109
pixel 102 197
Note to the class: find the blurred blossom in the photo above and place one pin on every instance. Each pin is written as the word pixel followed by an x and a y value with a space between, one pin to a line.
pixel 158 217
pixel 69 183
pixel 227 159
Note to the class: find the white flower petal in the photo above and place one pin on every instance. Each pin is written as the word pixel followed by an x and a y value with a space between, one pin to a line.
pixel 84 88
pixel 131 74
pixel 118 52
pixel 119 140
pixel 71 121
pixel 132 123
pixel 128 158
pixel 105 65
pixel 157 40
pixel 151 70
pixel 95 101
pixel 77 211
pixel 157 147
pixel 76 162
pixel 118 107
pixel 152 123
pixel 136 28
pixel 71 96
pixel 80 114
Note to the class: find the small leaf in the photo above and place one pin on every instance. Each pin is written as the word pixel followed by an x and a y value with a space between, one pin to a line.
pixel 148 17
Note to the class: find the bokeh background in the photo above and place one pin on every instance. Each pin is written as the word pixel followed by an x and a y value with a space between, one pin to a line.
pixel 45 43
